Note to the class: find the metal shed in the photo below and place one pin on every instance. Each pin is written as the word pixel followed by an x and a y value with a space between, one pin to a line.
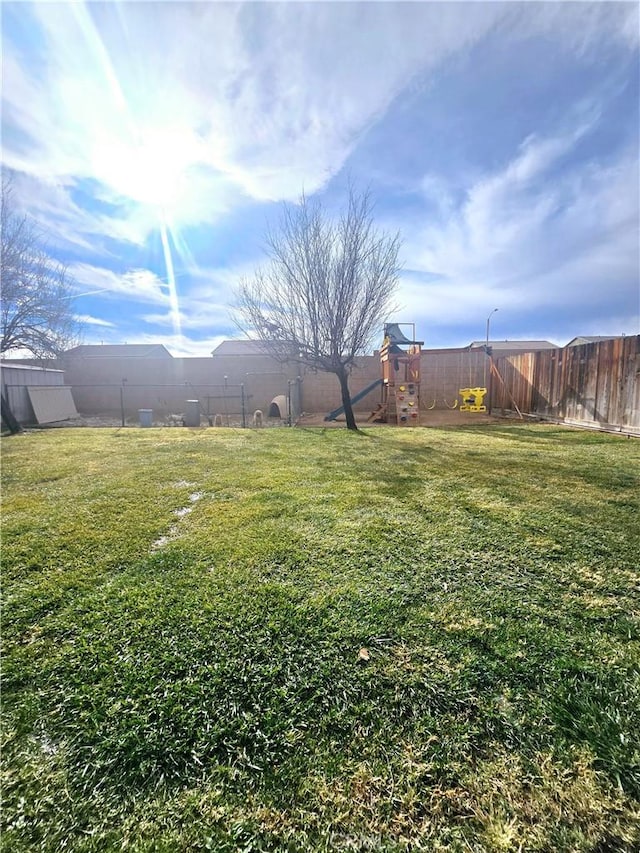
pixel 17 378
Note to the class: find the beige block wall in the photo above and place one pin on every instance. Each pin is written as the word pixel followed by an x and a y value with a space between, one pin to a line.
pixel 165 384
pixel 445 372
pixel 321 391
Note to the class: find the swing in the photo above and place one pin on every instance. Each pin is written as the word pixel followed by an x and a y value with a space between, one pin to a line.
pixel 415 376
pixel 472 398
pixel 444 399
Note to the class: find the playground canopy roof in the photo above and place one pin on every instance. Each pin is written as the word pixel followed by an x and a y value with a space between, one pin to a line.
pixel 396 335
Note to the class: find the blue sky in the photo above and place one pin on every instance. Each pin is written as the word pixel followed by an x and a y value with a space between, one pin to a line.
pixel 156 141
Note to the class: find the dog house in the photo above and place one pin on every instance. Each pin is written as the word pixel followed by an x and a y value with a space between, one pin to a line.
pixel 279 407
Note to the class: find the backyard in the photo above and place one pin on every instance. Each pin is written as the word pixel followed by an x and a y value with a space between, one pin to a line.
pixel 310 639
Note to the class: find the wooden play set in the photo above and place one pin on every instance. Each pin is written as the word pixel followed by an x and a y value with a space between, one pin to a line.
pixel 400 378
pixel 400 361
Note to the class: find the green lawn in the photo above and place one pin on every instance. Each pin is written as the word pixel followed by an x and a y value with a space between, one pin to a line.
pixel 192 680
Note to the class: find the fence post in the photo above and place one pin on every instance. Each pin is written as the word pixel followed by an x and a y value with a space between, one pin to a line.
pixel 224 397
pixel 122 401
pixel 298 396
pixel 244 415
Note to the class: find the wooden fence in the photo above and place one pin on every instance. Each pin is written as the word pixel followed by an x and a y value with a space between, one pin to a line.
pixel 596 385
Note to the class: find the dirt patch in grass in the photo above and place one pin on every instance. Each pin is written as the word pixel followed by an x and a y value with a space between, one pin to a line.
pixel 435 418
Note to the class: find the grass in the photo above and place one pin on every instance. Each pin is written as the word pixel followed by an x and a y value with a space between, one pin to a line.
pixel 183 614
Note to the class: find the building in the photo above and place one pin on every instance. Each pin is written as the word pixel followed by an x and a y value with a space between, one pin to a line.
pixel 512 347
pixel 240 347
pixel 118 351
pixel 590 339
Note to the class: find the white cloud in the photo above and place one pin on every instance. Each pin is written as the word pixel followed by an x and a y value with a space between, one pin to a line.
pixel 264 96
pixel 88 320
pixel 138 284
pixel 529 242
pixel 193 315
pixel 69 226
pixel 579 25
pixel 186 105
pixel 208 302
pixel 178 344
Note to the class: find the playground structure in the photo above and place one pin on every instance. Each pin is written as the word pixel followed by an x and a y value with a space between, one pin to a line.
pixel 401 379
pixel 400 364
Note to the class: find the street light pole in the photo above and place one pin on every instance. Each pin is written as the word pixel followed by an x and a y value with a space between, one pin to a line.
pixel 486 349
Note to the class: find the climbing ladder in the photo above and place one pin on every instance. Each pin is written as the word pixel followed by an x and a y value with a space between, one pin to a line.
pixel 400 363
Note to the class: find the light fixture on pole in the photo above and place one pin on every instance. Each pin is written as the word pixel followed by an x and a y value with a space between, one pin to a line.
pixel 486 348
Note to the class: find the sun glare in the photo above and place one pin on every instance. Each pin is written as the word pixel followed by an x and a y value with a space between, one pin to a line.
pixel 152 170
pixel 174 301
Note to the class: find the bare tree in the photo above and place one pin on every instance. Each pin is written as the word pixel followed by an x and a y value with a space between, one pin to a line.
pixel 327 290
pixel 36 312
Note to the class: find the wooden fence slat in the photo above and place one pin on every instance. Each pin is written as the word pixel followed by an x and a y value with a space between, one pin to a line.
pixel 592 384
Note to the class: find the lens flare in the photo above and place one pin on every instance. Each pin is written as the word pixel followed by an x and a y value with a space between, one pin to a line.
pixel 174 304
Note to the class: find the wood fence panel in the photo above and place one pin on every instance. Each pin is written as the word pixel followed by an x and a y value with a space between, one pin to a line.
pixel 596 384
pixel 630 402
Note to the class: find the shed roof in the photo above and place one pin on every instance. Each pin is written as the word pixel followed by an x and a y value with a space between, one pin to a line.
pixel 7 365
pixel 118 351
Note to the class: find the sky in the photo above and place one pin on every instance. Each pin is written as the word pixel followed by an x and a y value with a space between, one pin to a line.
pixel 156 142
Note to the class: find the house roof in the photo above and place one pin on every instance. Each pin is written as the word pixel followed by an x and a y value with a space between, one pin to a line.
pixel 589 339
pixel 524 346
pixel 118 351
pixel 242 347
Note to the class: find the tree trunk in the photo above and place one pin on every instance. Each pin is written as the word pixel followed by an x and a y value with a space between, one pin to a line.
pixel 346 399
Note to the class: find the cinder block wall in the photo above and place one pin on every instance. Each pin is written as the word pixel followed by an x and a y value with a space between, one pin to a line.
pixel 321 391
pixel 445 372
pixel 165 384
